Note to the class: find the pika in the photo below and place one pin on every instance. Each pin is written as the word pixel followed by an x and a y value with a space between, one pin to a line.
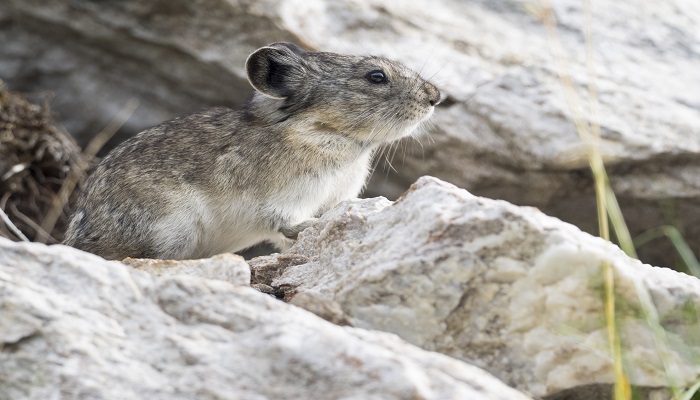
pixel 223 180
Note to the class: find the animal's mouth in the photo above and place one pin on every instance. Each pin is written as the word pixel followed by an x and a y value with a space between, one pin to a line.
pixel 431 111
pixel 393 127
pixel 409 128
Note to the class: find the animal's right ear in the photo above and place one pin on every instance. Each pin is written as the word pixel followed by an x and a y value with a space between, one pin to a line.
pixel 276 70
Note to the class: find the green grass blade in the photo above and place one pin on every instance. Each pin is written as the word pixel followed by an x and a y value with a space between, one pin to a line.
pixel 618 221
pixel 676 238
pixel 688 395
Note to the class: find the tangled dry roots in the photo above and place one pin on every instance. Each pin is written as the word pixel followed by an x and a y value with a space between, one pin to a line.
pixel 35 158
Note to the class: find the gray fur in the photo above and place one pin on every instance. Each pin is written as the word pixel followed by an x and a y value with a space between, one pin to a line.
pixel 223 180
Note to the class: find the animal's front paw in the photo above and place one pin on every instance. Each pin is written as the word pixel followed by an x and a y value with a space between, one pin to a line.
pixel 292 232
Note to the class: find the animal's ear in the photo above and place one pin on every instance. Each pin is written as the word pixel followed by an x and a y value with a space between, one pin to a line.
pixel 276 70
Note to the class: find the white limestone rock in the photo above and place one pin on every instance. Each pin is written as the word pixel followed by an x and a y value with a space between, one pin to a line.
pixel 227 267
pixel 505 288
pixel 74 326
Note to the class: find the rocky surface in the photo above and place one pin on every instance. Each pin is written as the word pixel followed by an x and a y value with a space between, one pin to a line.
pixel 505 288
pixel 75 326
pixel 487 284
pixel 504 131
pixel 225 267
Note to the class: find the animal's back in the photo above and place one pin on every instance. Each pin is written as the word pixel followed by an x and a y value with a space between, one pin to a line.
pixel 145 180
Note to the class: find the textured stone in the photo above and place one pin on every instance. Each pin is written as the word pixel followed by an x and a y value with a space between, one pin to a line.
pixel 226 267
pixel 506 288
pixel 75 326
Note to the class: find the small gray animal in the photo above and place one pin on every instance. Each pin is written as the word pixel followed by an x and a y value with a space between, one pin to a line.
pixel 223 180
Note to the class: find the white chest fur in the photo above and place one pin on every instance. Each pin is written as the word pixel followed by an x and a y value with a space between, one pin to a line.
pixel 215 225
pixel 309 195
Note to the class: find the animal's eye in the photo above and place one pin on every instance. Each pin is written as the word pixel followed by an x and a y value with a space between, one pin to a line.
pixel 376 76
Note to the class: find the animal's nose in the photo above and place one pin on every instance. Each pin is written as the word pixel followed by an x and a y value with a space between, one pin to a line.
pixel 433 94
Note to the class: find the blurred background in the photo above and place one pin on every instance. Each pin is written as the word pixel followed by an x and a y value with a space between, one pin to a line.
pixel 520 81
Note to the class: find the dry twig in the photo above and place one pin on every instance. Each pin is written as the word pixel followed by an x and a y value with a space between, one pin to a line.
pixel 12 226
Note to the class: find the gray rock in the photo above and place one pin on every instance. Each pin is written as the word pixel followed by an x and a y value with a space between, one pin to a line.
pixel 75 326
pixel 175 57
pixel 226 267
pixel 505 288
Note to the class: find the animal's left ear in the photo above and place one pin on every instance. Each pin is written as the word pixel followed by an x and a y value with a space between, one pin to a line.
pixel 276 70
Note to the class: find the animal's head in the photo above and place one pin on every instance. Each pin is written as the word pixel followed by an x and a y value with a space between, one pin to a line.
pixel 371 99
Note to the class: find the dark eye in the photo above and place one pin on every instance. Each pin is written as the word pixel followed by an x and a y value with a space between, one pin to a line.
pixel 376 76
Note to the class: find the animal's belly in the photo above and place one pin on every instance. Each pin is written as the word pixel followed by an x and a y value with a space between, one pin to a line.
pixel 233 225
pixel 230 224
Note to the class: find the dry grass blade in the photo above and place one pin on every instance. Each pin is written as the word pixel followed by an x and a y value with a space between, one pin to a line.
pixel 589 132
pixel 12 226
pixel 23 218
pixel 80 167
pixel 609 211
